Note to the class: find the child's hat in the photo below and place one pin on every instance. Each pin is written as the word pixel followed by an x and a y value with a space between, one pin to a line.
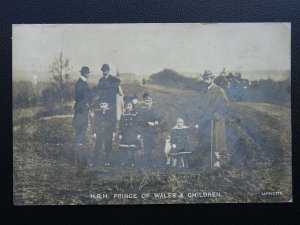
pixel 130 99
pixel 146 95
pixel 102 99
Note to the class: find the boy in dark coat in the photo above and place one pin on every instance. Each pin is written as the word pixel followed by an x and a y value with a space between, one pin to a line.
pixel 103 128
pixel 148 122
pixel 178 142
pixel 128 133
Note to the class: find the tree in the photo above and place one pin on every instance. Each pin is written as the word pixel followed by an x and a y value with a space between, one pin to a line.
pixel 60 70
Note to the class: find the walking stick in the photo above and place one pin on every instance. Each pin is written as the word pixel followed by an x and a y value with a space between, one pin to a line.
pixel 211 143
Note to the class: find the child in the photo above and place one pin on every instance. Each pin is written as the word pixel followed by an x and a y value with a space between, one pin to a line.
pixel 178 142
pixel 103 128
pixel 148 121
pixel 128 133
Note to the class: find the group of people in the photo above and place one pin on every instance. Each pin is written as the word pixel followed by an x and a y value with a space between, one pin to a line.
pixel 137 126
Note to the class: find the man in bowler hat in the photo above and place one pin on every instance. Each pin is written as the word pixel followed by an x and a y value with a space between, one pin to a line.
pixel 83 99
pixel 108 87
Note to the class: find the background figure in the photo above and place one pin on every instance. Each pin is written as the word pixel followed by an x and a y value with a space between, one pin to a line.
pixel 217 104
pixel 108 87
pixel 82 102
pixel 103 126
pixel 128 134
pixel 148 122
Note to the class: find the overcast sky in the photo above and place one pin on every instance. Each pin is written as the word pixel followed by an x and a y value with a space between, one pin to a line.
pixel 148 48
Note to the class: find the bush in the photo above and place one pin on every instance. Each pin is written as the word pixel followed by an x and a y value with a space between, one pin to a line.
pixel 24 94
pixel 52 94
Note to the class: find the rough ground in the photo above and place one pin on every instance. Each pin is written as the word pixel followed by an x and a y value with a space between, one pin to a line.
pixel 49 169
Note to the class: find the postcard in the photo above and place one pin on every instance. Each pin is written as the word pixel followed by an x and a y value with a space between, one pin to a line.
pixel 167 113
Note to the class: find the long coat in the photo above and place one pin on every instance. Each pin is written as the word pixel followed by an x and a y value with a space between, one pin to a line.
pixel 108 88
pixel 179 137
pixel 128 129
pixel 146 115
pixel 217 107
pixel 103 124
pixel 83 99
pixel 147 131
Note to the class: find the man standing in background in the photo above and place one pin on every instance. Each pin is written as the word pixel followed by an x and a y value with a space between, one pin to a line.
pixel 108 88
pixel 82 102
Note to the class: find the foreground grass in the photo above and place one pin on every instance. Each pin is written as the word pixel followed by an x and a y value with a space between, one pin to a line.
pixel 51 175
pixel 50 170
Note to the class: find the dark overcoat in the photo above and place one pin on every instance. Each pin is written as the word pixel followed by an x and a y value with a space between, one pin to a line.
pixel 83 99
pixel 179 138
pixel 108 88
pixel 145 116
pixel 103 124
pixel 129 129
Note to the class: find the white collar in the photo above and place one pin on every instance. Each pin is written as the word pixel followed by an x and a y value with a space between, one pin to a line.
pixel 107 76
pixel 176 127
pixel 130 113
pixel 210 86
pixel 83 78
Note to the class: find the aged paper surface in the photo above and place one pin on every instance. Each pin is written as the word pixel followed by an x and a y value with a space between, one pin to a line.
pixel 151 113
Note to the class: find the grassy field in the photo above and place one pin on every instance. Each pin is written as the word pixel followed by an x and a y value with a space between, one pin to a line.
pixel 49 169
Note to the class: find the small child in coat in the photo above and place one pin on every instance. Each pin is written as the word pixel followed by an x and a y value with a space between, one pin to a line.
pixel 103 129
pixel 178 141
pixel 148 122
pixel 128 133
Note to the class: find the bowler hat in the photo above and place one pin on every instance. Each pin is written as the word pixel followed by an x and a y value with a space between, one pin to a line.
pixel 105 67
pixel 84 70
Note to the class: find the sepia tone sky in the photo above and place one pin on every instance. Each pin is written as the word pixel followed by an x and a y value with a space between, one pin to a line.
pixel 145 49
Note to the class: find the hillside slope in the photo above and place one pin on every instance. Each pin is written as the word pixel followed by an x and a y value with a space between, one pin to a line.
pixel 259 145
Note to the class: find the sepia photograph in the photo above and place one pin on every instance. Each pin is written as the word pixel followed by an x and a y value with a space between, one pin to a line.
pixel 151 113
